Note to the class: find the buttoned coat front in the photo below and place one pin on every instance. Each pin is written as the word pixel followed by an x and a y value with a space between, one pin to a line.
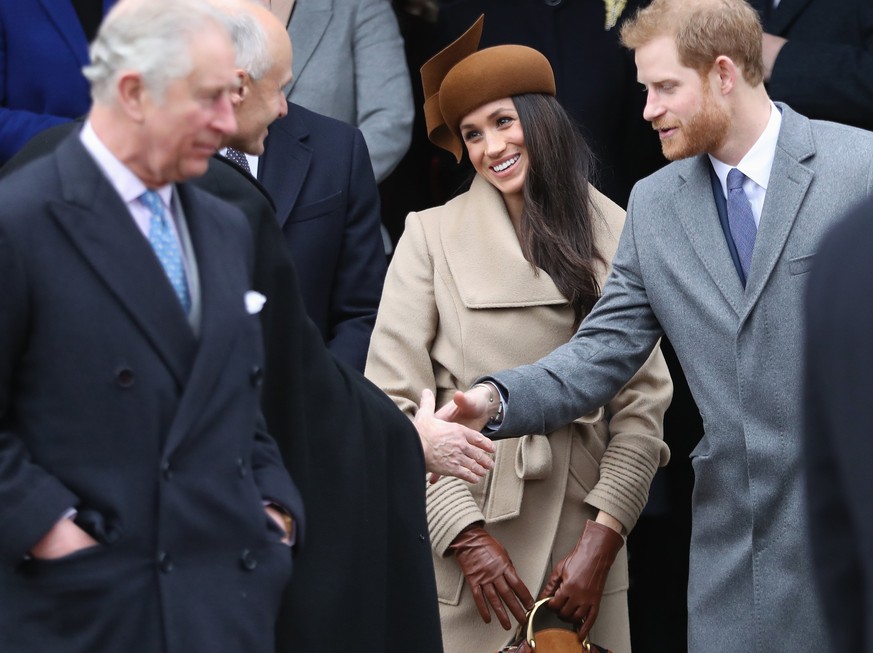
pixel 751 582
pixel 459 299
pixel 111 404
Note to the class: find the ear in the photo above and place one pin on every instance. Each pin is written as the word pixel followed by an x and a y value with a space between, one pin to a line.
pixel 726 74
pixel 243 88
pixel 132 94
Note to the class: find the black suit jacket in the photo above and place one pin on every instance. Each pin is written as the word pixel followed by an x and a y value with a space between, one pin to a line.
pixel 363 578
pixel 825 70
pixel 111 404
pixel 318 172
pixel 839 412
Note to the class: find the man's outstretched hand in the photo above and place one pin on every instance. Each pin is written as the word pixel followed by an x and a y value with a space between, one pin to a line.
pixel 472 408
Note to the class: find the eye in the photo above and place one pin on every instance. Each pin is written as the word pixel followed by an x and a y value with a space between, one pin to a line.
pixel 471 135
pixel 503 121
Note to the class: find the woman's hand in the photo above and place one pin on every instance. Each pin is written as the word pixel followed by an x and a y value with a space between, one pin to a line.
pixel 578 580
pixel 491 576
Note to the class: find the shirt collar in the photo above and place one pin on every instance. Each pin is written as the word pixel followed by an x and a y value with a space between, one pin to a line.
pixel 758 161
pixel 122 178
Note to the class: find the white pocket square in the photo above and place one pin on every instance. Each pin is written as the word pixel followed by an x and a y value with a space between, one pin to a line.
pixel 254 302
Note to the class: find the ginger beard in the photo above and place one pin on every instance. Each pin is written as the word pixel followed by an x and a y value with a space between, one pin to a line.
pixel 705 131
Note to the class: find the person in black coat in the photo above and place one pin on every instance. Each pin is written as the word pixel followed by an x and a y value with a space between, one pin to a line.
pixel 838 415
pixel 140 496
pixel 818 57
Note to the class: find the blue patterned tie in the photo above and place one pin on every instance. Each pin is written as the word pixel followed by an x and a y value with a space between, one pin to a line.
pixel 238 158
pixel 163 240
pixel 741 220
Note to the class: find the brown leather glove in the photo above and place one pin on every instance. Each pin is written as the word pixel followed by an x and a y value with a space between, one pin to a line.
pixel 578 580
pixel 491 576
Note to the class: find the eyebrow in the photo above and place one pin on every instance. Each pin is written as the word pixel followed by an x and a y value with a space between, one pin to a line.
pixel 496 111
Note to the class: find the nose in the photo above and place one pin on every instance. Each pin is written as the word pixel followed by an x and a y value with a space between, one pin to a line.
pixel 653 109
pixel 494 143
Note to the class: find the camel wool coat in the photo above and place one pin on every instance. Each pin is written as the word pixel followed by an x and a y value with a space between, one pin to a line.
pixel 460 300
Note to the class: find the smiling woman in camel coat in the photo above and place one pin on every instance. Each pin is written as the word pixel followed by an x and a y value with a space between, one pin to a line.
pixel 460 301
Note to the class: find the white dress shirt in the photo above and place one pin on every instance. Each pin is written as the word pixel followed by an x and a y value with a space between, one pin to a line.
pixel 756 164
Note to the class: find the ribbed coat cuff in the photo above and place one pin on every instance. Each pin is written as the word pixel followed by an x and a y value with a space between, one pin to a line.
pixel 450 509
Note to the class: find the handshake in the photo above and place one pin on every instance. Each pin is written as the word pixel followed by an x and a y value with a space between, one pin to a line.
pixel 451 438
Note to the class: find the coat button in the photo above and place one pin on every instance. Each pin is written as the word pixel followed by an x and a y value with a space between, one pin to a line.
pixel 248 560
pixel 257 376
pixel 421 537
pixel 165 563
pixel 166 470
pixel 241 465
pixel 553 3
pixel 124 377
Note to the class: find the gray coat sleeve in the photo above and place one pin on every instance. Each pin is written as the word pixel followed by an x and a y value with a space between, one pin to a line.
pixel 609 347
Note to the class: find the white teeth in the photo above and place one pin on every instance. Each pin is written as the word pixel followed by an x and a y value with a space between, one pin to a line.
pixel 503 166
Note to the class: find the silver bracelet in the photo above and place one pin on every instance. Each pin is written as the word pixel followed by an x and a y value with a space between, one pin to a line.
pixel 497 419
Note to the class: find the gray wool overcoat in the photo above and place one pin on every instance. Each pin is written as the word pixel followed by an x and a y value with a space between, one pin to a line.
pixel 751 584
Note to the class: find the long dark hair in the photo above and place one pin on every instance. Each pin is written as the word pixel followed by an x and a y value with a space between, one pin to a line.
pixel 557 222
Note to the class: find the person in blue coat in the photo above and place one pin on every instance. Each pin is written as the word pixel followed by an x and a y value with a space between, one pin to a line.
pixel 43 47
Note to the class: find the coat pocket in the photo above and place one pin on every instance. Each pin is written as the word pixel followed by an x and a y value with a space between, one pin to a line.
pixel 317 209
pixel 801 264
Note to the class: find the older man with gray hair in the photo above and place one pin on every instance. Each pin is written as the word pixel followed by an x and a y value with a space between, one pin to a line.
pixel 142 505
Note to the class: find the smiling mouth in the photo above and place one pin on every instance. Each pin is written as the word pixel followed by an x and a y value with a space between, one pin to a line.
pixel 664 132
pixel 500 167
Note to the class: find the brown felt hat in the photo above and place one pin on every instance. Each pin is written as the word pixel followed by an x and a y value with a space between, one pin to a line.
pixel 458 79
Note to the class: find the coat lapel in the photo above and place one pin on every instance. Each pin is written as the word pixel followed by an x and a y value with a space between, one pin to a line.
pixel 306 29
pixel 485 258
pixel 285 162
pixel 65 20
pixel 222 312
pixel 99 225
pixel 694 204
pixel 788 184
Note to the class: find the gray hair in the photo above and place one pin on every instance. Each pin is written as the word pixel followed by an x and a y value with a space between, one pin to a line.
pixel 152 37
pixel 249 39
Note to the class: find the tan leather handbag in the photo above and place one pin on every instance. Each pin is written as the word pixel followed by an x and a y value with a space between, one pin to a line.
pixel 547 640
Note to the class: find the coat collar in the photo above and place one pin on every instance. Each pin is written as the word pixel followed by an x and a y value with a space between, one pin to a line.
pixel 695 207
pixel 790 179
pixel 285 163
pixel 307 27
pixel 98 223
pixel 484 255
pixel 789 182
